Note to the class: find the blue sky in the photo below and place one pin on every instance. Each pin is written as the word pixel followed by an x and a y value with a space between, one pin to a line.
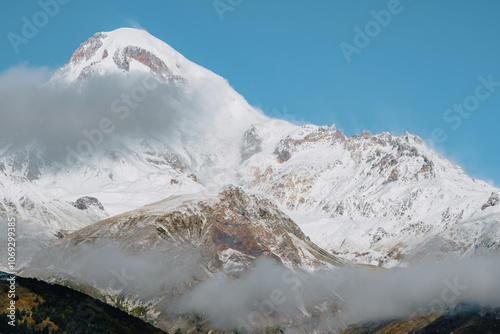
pixel 286 58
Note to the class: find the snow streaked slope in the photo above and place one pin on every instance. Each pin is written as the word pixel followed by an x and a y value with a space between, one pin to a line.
pixel 20 197
pixel 28 202
pixel 374 198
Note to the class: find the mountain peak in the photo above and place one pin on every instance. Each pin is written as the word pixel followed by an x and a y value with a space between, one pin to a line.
pixel 122 51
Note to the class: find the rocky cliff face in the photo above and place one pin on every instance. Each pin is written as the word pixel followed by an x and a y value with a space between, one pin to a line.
pixel 229 229
pixel 209 233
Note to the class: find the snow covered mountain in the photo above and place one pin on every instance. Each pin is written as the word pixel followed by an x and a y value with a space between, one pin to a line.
pixel 375 199
pixel 180 129
pixel 197 117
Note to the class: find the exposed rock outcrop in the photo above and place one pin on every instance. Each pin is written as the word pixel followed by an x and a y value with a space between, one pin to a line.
pixel 492 201
pixel 251 143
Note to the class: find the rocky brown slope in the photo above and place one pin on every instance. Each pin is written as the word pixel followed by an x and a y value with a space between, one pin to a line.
pixel 148 258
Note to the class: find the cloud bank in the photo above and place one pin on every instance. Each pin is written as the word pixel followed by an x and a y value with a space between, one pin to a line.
pixel 58 116
pixel 333 299
pixel 270 294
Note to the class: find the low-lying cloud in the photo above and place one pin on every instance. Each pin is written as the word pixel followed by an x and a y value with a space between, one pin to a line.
pixel 59 116
pixel 110 268
pixel 270 294
pixel 333 299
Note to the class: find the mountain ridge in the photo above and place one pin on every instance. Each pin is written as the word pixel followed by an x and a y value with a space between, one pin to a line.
pixel 372 199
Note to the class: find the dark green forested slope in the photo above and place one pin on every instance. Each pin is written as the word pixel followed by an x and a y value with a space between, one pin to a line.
pixel 50 308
